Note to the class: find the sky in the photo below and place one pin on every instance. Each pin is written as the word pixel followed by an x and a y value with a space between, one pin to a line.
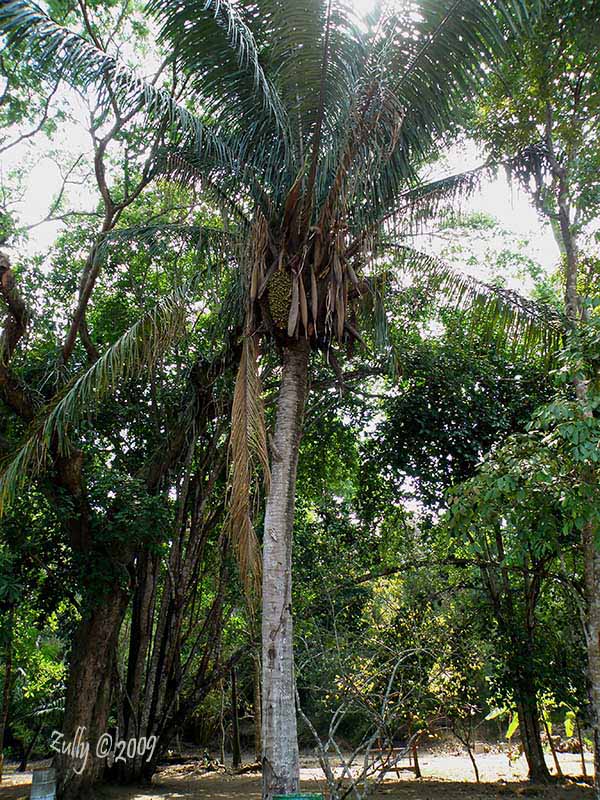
pixel 496 197
pixel 508 203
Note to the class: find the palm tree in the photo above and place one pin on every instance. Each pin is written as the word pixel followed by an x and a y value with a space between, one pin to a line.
pixel 309 129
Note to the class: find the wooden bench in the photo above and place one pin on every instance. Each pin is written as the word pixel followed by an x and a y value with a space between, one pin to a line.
pixel 389 757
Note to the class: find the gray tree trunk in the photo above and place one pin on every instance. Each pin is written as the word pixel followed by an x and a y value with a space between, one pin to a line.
pixel 256 676
pixel 280 759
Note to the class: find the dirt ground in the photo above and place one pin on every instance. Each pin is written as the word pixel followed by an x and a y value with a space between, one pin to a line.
pixel 446 776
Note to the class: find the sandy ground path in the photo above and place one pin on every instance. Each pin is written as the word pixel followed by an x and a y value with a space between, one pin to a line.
pixel 446 776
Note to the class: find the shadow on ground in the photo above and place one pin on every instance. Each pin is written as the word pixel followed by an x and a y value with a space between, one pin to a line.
pixel 220 787
pixel 503 781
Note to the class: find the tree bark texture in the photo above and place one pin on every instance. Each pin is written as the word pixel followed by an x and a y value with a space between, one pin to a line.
pixel 280 759
pixel 529 730
pixel 256 677
pixel 88 697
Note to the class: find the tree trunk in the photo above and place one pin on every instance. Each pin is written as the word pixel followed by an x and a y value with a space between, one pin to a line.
pixel 171 689
pixel 415 756
pixel 6 689
pixel 518 638
pixel 559 771
pixel 139 641
pixel 88 695
pixel 257 709
pixel 581 748
pixel 280 760
pixel 222 725
pixel 592 635
pixel 473 762
pixel 566 233
pixel 235 722
pixel 531 739
pixel 27 751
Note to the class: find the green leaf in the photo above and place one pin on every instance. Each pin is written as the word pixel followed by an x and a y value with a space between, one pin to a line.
pixel 570 724
pixel 496 713
pixel 513 726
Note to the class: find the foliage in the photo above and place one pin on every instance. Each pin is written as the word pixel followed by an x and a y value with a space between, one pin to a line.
pixel 543 102
pixel 289 143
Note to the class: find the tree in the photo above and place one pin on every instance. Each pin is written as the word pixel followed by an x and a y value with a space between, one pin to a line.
pixel 452 406
pixel 130 461
pixel 409 437
pixel 544 102
pixel 511 526
pixel 36 592
pixel 8 661
pixel 312 133
pixel 456 399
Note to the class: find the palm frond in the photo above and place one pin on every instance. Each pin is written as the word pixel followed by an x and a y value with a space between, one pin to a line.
pixel 424 65
pixel 248 455
pixel 131 356
pixel 212 242
pixel 213 43
pixel 231 188
pixel 421 204
pixel 318 131
pixel 503 314
pixel 293 37
pixel 58 51
pixel 427 200
pixel 51 707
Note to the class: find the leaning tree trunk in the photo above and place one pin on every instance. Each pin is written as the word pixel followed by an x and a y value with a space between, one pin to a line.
pixel 27 751
pixel 280 758
pixel 88 694
pixel 529 729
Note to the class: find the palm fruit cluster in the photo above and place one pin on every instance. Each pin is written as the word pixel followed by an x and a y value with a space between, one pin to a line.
pixel 280 297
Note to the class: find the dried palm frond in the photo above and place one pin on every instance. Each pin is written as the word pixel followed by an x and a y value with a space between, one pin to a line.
pixel 258 247
pixel 248 456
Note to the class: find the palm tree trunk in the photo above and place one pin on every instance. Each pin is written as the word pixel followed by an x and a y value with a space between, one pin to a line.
pixel 256 671
pixel 279 738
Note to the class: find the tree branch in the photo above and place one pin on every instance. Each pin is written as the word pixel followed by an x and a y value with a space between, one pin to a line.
pixel 13 391
pixel 45 112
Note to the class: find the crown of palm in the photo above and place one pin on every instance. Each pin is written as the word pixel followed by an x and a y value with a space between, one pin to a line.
pixel 308 122
pixel 280 84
